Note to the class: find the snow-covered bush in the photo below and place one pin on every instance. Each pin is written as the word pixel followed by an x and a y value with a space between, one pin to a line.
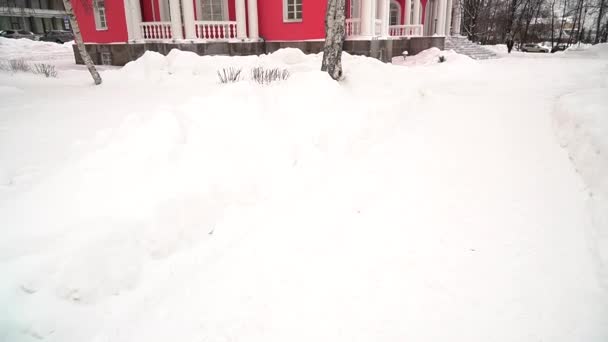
pixel 267 76
pixel 229 75
pixel 47 70
pixel 15 65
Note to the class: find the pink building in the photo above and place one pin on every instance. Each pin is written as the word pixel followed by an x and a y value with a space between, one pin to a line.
pixel 238 27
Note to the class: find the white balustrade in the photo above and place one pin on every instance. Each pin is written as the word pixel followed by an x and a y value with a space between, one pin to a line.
pixel 352 27
pixel 212 30
pixel 405 30
pixel 156 30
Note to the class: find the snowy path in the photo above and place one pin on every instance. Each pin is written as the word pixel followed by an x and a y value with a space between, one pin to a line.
pixel 162 206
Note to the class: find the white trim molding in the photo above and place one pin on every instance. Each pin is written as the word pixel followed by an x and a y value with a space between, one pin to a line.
pixel 297 15
pixel 99 13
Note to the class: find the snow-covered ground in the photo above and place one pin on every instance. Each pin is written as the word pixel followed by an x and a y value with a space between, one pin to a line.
pixel 461 201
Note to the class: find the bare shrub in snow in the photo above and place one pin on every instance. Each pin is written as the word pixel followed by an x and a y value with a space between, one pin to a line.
pixel 18 65
pixel 229 75
pixel 442 59
pixel 267 76
pixel 47 70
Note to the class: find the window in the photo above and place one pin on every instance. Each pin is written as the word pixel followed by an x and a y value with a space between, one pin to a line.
pixel 100 15
pixel 292 10
pixel 106 58
pixel 395 18
pixel 15 24
pixel 354 9
pixel 213 10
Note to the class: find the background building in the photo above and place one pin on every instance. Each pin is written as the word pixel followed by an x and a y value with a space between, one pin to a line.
pixel 37 16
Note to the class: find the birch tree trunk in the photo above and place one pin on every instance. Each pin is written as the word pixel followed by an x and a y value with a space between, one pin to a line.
pixel 334 39
pixel 80 43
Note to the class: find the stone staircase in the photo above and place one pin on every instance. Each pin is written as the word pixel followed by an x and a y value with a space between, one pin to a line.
pixel 464 46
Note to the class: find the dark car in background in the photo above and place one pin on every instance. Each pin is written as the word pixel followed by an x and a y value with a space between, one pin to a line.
pixel 17 34
pixel 58 36
pixel 559 47
pixel 531 47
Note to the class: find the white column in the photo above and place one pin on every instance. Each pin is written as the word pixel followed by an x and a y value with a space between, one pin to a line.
pixel 448 18
pixel 385 17
pixel 457 18
pixel 432 17
pixel 374 17
pixel 133 19
pixel 408 12
pixel 188 8
pixel 136 19
pixel 176 19
pixel 416 12
pixel 252 20
pixel 241 28
pixel 441 18
pixel 367 28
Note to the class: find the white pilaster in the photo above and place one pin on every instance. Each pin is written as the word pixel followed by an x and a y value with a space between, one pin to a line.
pixel 188 8
pixel 441 18
pixel 416 16
pixel 176 19
pixel 408 12
pixel 128 20
pixel 241 21
pixel 367 20
pixel 448 18
pixel 252 20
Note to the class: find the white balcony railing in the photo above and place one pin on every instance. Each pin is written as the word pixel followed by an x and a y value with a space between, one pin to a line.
pixel 215 29
pixel 156 30
pixel 353 27
pixel 405 30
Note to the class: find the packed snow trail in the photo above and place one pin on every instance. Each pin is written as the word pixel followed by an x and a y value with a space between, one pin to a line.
pixel 417 203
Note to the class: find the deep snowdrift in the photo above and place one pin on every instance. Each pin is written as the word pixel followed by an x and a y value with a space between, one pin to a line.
pixel 405 203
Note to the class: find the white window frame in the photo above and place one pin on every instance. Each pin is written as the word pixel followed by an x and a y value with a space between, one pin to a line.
pixel 286 11
pixel 399 11
pixel 100 13
pixel 199 10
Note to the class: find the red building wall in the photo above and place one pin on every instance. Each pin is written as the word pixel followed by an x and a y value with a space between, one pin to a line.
pixel 270 20
pixel 115 18
pixel 272 27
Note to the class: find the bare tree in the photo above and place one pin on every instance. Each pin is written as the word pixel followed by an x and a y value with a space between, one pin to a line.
pixel 561 26
pixel 581 31
pixel 334 38
pixel 79 42
pixel 600 14
pixel 552 22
